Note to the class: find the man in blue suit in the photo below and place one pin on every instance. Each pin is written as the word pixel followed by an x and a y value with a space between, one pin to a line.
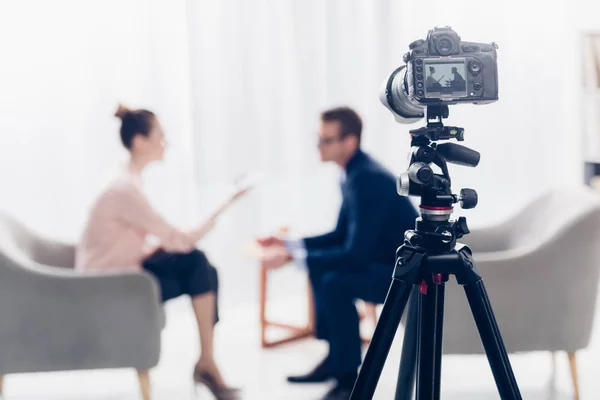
pixel 356 259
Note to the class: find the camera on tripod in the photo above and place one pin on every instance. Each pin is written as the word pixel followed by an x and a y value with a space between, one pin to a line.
pixel 441 70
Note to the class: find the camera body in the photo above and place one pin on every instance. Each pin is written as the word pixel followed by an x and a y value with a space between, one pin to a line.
pixel 441 70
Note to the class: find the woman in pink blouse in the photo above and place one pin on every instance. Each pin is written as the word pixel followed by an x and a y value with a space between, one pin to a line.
pixel 122 219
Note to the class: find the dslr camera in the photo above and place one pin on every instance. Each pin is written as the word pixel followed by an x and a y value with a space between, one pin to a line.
pixel 441 70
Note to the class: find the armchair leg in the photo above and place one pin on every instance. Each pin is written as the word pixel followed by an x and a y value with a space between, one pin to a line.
pixel 263 305
pixel 573 366
pixel 144 380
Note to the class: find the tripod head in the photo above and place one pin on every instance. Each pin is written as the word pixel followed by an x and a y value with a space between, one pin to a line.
pixel 434 229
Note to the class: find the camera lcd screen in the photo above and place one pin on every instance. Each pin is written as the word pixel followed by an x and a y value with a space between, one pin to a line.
pixel 445 78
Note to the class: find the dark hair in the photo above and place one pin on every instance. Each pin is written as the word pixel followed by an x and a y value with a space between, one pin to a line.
pixel 350 122
pixel 134 122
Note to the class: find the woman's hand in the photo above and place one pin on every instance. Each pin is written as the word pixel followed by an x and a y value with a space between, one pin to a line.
pixel 208 225
pixel 197 234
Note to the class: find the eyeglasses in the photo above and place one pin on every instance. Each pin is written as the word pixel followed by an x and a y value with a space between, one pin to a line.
pixel 329 140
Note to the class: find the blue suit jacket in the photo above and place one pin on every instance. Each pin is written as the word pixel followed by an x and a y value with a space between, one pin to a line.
pixel 371 222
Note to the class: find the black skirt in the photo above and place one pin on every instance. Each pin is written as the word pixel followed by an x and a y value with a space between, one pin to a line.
pixel 183 274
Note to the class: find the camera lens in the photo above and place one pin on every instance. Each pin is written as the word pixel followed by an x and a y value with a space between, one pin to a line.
pixel 444 46
pixel 397 94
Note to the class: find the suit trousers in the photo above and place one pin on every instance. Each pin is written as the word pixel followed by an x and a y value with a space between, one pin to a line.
pixel 337 320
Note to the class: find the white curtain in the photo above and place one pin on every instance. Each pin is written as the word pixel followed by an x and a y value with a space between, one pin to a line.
pixel 239 85
pixel 263 71
pixel 65 66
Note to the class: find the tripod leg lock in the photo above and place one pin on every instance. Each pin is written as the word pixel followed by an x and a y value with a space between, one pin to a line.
pixel 468 274
pixel 423 287
pixel 414 265
pixel 408 265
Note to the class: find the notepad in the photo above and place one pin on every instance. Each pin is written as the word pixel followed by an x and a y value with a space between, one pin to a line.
pixel 241 184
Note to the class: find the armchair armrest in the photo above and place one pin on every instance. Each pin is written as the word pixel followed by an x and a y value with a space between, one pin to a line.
pixel 53 252
pixel 489 239
pixel 56 319
pixel 503 257
pixel 538 284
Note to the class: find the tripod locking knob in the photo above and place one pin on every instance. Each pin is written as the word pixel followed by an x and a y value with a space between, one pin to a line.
pixel 420 173
pixel 446 236
pixel 403 184
pixel 468 198
pixel 461 227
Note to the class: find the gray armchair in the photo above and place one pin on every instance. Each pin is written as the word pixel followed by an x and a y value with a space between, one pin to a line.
pixel 55 319
pixel 540 268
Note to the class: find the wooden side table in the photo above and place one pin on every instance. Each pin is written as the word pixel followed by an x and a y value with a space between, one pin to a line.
pixel 295 332
pixel 298 332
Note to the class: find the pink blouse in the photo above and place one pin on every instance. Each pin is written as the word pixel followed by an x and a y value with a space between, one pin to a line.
pixel 120 221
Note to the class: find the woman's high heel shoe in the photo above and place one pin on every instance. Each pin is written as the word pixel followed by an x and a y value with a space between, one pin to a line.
pixel 220 393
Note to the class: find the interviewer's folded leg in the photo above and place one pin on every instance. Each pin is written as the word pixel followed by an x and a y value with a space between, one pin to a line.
pixel 200 280
pixel 201 277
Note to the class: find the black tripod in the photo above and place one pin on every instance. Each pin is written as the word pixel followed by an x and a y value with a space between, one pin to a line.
pixel 423 264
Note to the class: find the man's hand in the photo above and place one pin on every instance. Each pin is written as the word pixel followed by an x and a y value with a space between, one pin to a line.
pixel 270 241
pixel 275 257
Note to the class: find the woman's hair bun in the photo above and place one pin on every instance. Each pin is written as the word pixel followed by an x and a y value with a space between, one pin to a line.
pixel 122 111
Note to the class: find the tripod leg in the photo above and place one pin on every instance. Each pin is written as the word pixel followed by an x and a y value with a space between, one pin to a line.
pixel 492 340
pixel 391 314
pixel 408 360
pixel 429 362
pixel 439 335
